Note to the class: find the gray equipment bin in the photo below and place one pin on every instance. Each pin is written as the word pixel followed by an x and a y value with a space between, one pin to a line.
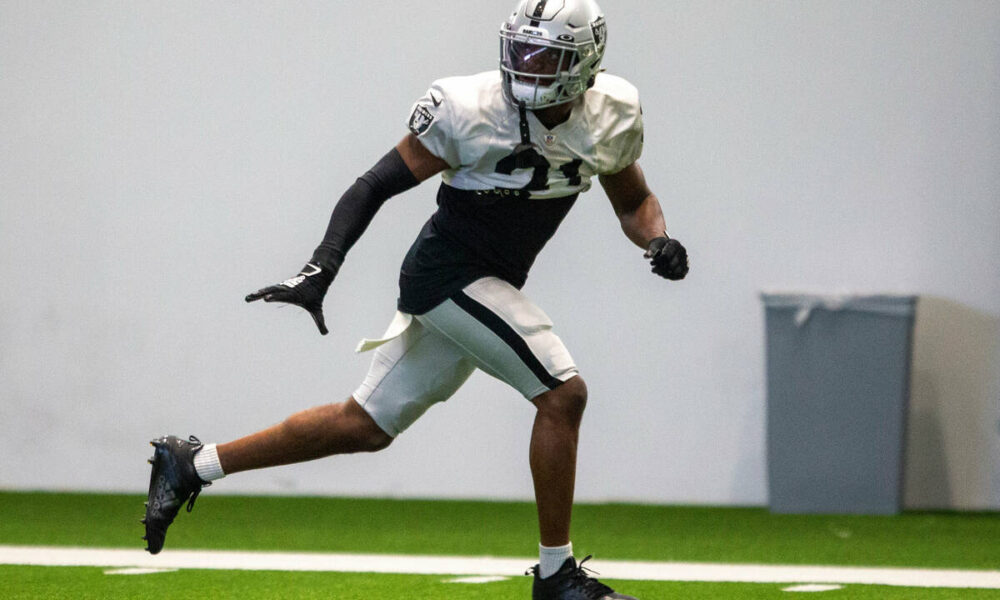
pixel 838 371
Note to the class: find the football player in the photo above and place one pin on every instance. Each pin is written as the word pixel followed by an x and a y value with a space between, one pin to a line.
pixel 514 147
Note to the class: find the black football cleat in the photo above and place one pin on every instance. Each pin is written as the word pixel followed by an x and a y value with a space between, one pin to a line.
pixel 572 582
pixel 173 482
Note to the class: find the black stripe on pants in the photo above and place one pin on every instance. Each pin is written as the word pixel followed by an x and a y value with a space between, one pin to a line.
pixel 513 339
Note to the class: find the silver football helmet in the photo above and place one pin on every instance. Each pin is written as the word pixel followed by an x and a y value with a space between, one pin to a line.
pixel 551 50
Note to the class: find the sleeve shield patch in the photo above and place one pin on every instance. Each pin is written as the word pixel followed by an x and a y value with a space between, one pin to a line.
pixel 420 120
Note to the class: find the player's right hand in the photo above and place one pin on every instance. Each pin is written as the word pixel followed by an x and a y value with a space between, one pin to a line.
pixel 306 289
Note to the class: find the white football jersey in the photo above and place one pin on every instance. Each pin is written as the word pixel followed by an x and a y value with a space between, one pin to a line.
pixel 467 122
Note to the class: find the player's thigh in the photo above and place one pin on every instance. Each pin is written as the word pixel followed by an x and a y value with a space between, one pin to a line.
pixel 505 335
pixel 408 375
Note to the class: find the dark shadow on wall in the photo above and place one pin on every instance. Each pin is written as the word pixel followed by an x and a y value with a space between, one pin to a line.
pixel 951 427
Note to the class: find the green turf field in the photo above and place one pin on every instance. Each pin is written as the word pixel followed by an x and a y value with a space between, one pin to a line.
pixel 695 534
pixel 80 583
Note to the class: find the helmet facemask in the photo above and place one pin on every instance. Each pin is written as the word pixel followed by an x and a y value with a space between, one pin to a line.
pixel 544 72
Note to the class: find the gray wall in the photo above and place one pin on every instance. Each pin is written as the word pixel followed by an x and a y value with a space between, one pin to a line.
pixel 160 160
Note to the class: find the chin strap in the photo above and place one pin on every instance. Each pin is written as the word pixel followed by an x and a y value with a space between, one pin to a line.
pixel 522 110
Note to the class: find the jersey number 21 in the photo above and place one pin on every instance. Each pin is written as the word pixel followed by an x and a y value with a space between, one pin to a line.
pixel 529 158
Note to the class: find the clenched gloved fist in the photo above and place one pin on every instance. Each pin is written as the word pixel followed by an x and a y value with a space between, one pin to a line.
pixel 306 289
pixel 668 257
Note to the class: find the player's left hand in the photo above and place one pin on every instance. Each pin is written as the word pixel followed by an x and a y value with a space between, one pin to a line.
pixel 668 257
pixel 306 289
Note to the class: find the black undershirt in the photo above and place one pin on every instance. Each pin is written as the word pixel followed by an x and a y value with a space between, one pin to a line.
pixel 474 235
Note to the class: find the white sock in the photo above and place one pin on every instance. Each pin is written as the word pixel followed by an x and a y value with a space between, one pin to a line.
pixel 207 465
pixel 550 559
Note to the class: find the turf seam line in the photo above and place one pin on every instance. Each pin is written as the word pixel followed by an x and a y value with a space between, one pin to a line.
pixel 473 565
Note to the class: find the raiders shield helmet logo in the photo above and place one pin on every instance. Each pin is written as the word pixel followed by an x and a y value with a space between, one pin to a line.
pixel 420 120
pixel 600 29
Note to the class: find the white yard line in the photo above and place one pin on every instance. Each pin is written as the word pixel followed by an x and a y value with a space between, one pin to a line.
pixel 469 565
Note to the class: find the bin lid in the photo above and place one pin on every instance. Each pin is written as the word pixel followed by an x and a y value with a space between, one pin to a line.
pixel 893 305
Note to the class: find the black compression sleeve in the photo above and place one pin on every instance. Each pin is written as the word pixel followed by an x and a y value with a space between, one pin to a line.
pixel 358 205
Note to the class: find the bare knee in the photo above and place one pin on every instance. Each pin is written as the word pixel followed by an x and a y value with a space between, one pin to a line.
pixel 376 440
pixel 370 437
pixel 565 403
pixel 336 429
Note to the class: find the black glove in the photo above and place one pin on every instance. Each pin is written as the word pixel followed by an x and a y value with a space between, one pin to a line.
pixel 668 257
pixel 305 289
